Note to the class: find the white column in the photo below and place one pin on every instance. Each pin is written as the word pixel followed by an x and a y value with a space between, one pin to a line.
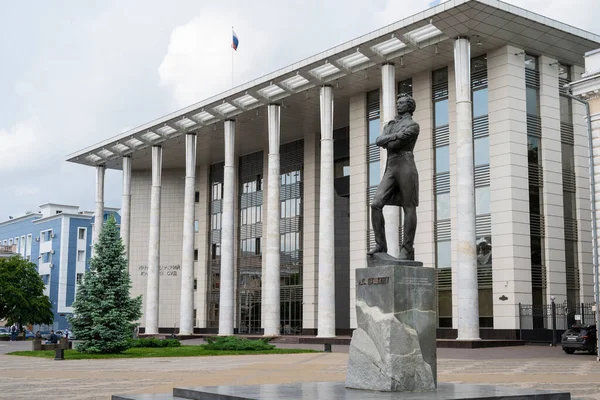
pixel 126 205
pixel 271 305
pixel 154 244
pixel 388 113
pixel 227 235
pixel 186 310
pixel 99 214
pixel 468 301
pixel 326 309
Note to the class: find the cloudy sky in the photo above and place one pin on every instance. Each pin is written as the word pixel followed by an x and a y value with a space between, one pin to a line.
pixel 73 73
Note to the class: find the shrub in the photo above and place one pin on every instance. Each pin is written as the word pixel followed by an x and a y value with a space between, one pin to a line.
pixel 233 343
pixel 153 342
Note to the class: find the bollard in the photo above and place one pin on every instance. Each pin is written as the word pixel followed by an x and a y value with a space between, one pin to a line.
pixel 60 354
pixel 327 347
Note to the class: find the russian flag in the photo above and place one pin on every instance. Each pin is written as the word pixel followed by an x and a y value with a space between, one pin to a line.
pixel 234 44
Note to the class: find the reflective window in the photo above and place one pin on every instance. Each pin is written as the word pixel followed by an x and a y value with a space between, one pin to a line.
pixel 441 113
pixel 536 250
pixel 250 215
pixel 484 251
pixel 563 71
pixel 290 208
pixel 196 226
pixel 569 205
pixel 530 62
pixel 442 159
pixel 568 158
pixel 533 149
pixel 217 191
pixel 374 173
pixel 290 242
pixel 482 151
pixel 480 102
pixel 482 200
pixel 566 114
pixel 444 254
pixel 405 86
pixel 374 128
pixel 342 168
pixel 290 178
pixel 440 76
pixel 442 203
pixel 531 97
pixel 534 201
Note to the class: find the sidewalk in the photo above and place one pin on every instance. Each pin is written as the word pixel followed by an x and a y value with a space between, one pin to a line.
pixel 539 367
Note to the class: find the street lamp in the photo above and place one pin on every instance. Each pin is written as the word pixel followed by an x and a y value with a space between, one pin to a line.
pixel 552 298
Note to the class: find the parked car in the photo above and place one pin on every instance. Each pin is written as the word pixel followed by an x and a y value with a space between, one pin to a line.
pixel 29 334
pixel 4 331
pixel 580 338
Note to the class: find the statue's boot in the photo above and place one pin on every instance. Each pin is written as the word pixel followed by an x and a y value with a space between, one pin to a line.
pixel 407 253
pixel 377 249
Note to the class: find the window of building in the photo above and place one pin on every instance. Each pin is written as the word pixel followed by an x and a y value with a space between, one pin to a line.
pixel 442 159
pixel 290 208
pixel 374 129
pixel 480 102
pixel 533 150
pixel 46 236
pixel 46 257
pixel 441 113
pixel 197 197
pixel 342 168
pixel 482 200
pixel 532 101
pixel 374 173
pixel 444 254
pixel 195 254
pixel 482 151
pixel 79 279
pixel 442 206
pixel 81 233
pixel 195 285
pixel 80 255
pixel 196 226
pixel 46 279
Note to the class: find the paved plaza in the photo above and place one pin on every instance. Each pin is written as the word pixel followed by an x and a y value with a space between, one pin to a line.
pixel 540 367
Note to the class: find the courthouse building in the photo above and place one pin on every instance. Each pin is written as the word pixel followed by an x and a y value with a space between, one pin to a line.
pixel 248 212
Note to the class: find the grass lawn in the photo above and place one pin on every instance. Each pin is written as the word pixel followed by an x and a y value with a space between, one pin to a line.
pixel 144 352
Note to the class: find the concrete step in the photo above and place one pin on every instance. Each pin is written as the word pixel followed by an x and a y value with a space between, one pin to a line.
pixel 158 396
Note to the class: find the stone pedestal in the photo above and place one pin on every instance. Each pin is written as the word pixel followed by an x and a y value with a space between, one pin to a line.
pixel 394 346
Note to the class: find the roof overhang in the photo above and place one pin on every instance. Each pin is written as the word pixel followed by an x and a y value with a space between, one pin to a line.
pixel 416 43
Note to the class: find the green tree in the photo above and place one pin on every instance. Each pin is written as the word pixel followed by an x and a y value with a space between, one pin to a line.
pixel 103 312
pixel 22 298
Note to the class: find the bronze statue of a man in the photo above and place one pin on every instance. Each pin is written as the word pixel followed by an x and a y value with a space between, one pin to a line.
pixel 399 185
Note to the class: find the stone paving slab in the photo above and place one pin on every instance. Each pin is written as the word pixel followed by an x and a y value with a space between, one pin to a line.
pixel 537 367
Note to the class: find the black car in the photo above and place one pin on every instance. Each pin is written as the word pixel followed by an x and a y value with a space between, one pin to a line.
pixel 579 338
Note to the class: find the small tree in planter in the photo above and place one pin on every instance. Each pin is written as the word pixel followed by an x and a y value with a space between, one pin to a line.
pixel 103 312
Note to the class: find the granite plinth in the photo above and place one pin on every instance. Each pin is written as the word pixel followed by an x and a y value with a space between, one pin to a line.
pixel 394 345
pixel 385 260
pixel 337 391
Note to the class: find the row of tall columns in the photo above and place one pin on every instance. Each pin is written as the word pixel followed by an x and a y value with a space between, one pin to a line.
pixel 326 290
pixel 468 302
pixel 271 283
pixel 388 113
pixel 226 304
pixel 99 212
pixel 154 244
pixel 186 310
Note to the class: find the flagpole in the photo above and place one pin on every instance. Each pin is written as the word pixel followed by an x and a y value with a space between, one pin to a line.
pixel 232 50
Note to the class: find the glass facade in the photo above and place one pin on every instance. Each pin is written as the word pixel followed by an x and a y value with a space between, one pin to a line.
pixel 569 191
pixel 214 263
pixel 441 144
pixel 249 269
pixel 291 196
pixel 481 169
pixel 534 158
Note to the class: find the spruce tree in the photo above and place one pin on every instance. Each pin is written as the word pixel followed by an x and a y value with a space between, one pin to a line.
pixel 104 314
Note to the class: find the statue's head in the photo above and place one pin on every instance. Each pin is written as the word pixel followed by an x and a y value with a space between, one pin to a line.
pixel 405 104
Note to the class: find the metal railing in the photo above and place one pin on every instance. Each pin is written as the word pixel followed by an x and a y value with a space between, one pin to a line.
pixel 542 324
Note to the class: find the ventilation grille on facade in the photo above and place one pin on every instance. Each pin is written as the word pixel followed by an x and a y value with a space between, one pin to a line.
pixel 568 179
pixel 479 79
pixel 442 183
pixel 441 136
pixel 373 153
pixel 444 278
pixel 532 78
pixel 481 127
pixel 566 133
pixel 441 230
pixel 561 85
pixel 536 225
pixel 536 175
pixel 482 175
pixel 538 276
pixel 483 225
pixel 571 229
pixel 534 125
pixel 484 276
pixel 440 91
